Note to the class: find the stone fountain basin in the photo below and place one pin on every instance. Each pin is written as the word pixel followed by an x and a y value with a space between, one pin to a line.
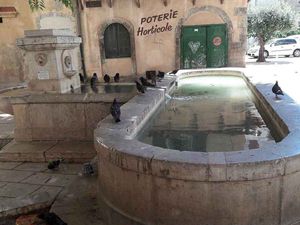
pixel 143 184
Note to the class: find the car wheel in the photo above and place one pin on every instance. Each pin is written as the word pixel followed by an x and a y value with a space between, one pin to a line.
pixel 296 53
pixel 287 56
pixel 266 54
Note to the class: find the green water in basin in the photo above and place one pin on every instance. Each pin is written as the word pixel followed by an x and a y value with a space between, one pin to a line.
pixel 208 114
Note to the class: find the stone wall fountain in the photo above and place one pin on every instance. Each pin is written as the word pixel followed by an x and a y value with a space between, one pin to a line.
pixel 51 60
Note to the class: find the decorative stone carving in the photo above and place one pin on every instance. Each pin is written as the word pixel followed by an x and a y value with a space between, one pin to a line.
pixel 66 60
pixel 41 59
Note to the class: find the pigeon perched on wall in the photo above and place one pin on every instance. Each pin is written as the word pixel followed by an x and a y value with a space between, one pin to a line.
pixel 115 110
pixel 54 164
pixel 51 219
pixel 94 79
pixel 161 74
pixel 117 78
pixel 277 90
pixel 141 88
pixel 174 72
pixel 106 78
pixel 146 83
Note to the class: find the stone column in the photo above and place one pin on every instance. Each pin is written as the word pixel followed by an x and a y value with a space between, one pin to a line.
pixel 51 60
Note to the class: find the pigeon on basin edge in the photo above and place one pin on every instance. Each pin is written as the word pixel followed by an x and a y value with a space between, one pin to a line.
pixel 146 83
pixel 117 78
pixel 276 89
pixel 94 79
pixel 115 111
pixel 140 87
pixel 106 78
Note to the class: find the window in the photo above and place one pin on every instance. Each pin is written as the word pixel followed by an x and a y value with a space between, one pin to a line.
pixel 1 20
pixel 117 41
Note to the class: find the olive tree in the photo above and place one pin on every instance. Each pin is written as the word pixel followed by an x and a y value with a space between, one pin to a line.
pixel 40 4
pixel 264 22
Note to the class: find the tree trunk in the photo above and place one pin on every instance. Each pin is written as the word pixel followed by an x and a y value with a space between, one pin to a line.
pixel 261 56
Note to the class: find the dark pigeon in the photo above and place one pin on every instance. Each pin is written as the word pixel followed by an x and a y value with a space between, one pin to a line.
pixel 161 74
pixel 94 79
pixel 115 110
pixel 146 83
pixel 140 87
pixel 54 164
pixel 117 78
pixel 81 77
pixel 72 88
pixel 276 89
pixel 51 219
pixel 174 72
pixel 106 78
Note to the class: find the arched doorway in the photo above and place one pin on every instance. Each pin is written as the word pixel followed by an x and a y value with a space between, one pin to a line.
pixel 203 38
pixel 117 48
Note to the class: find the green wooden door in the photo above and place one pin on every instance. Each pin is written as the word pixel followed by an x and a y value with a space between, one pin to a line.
pixel 193 47
pixel 203 46
pixel 216 46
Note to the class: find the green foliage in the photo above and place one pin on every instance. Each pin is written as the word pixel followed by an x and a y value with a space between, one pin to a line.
pixel 40 4
pixel 264 22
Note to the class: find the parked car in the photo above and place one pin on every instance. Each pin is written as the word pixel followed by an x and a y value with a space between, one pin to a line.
pixel 278 47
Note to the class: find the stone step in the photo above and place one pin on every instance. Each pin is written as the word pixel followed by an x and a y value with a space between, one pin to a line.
pixel 44 151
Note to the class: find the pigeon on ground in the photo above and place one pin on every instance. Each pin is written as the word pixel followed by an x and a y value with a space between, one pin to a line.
pixel 141 88
pixel 161 74
pixel 106 78
pixel 54 164
pixel 117 78
pixel 94 79
pixel 277 90
pixel 146 83
pixel 115 110
pixel 51 219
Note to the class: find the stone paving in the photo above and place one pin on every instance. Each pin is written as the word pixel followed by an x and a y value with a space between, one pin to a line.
pixel 21 179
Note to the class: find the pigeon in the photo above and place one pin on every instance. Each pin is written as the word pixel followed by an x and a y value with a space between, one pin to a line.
pixel 161 74
pixel 115 110
pixel 277 90
pixel 117 78
pixel 106 78
pixel 153 79
pixel 145 82
pixel 140 87
pixel 94 79
pixel 81 77
pixel 72 88
pixel 51 219
pixel 54 164
pixel 174 72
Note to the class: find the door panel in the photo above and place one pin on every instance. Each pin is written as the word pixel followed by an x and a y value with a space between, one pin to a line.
pixel 216 46
pixel 203 46
pixel 193 47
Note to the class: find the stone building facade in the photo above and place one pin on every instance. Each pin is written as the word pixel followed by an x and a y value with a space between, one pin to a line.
pixel 132 36
pixel 162 34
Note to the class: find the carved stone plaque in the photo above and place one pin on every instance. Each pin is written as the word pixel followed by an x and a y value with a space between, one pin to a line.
pixel 41 59
pixel 43 75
